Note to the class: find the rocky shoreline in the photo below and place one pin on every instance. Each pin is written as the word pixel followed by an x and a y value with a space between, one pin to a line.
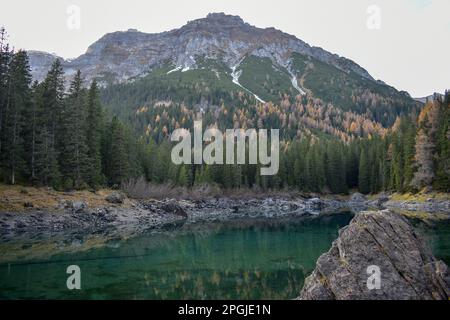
pixel 138 216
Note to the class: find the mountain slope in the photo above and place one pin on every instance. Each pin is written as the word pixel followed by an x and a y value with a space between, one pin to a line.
pixel 221 60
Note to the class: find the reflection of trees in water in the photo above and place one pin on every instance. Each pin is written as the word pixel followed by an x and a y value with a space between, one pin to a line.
pixel 236 259
pixel 229 284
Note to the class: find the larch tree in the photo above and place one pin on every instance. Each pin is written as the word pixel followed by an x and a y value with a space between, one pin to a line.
pixel 423 158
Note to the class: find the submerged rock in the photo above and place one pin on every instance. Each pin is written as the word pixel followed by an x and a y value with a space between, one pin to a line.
pixel 382 241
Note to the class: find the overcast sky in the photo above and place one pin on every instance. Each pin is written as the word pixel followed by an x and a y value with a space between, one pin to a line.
pixel 407 47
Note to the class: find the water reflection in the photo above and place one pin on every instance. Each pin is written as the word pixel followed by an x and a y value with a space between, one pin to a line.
pixel 239 259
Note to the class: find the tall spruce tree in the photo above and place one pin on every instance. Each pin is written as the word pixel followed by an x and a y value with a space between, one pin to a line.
pixel 442 179
pixel 364 172
pixel 50 105
pixel 117 166
pixel 30 132
pixel 94 124
pixel 18 101
pixel 5 58
pixel 73 156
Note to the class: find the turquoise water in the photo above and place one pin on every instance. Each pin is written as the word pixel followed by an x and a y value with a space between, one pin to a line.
pixel 238 259
pixel 437 235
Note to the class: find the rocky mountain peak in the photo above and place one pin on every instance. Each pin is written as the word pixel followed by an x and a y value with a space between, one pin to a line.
pixel 222 18
pixel 121 55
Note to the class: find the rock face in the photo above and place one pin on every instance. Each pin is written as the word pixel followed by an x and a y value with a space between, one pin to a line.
pixel 385 240
pixel 120 56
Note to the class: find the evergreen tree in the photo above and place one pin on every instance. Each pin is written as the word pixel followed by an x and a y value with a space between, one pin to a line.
pixel 408 158
pixel 73 148
pixel 18 101
pixel 335 169
pixel 50 105
pixel 364 173
pixel 396 171
pixel 117 166
pixel 442 180
pixel 183 176
pixel 94 130
pixel 30 131
pixel 5 58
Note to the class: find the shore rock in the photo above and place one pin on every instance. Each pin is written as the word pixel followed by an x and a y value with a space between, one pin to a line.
pixel 358 197
pixel 79 206
pixel 115 197
pixel 174 207
pixel 386 240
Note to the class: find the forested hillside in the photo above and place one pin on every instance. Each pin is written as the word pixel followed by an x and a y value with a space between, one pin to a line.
pixel 80 136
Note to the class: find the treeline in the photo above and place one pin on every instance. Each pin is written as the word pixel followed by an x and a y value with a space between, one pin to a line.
pixel 414 154
pixel 58 138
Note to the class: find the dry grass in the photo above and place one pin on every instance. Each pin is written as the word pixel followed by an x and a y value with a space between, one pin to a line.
pixel 420 197
pixel 13 198
pixel 141 189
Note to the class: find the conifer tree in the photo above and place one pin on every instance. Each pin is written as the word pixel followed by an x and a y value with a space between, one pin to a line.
pixel 94 129
pixel 5 58
pixel 73 148
pixel 442 180
pixel 18 101
pixel 50 105
pixel 364 177
pixel 117 166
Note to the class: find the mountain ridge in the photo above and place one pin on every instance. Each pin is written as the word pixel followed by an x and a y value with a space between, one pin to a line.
pixel 119 56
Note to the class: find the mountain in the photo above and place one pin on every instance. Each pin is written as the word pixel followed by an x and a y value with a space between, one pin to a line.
pixel 120 56
pixel 221 59
pixel 431 97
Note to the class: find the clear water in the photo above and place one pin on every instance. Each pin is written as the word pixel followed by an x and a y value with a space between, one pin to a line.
pixel 239 259
pixel 437 236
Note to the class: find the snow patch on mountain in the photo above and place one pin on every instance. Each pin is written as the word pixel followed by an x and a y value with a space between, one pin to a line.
pixel 174 70
pixel 235 78
pixel 295 84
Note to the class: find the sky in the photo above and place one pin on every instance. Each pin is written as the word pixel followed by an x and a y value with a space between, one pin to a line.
pixel 405 43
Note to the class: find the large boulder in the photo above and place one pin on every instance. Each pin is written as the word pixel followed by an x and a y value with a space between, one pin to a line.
pixel 378 245
pixel 115 197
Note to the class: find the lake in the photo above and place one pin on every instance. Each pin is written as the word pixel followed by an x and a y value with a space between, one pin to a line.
pixel 236 259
